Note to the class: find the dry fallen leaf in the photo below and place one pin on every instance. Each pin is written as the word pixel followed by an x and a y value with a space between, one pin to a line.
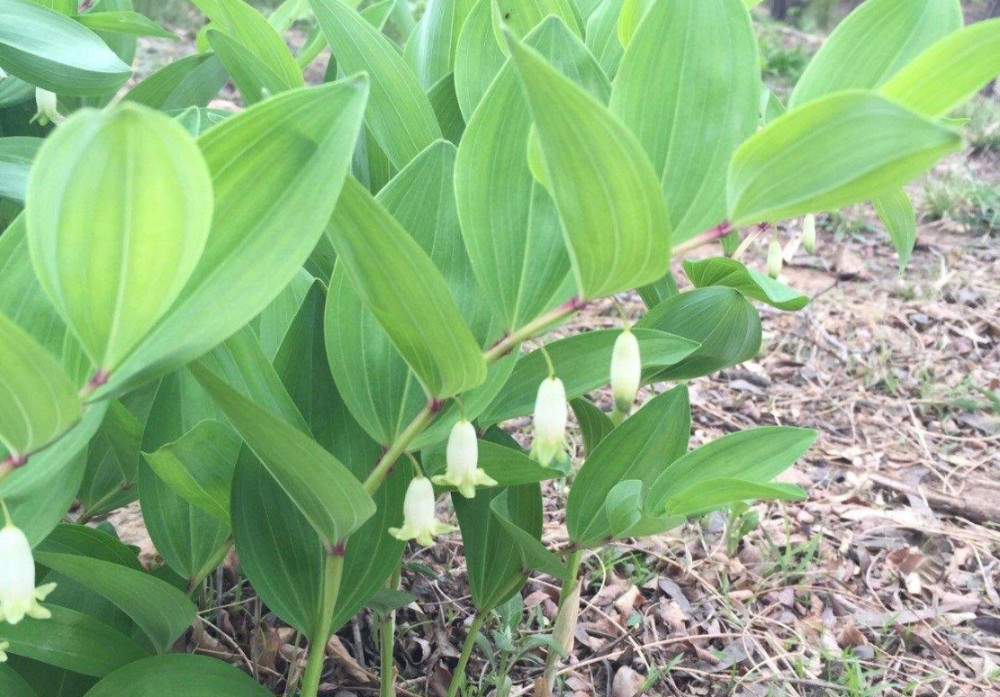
pixel 627 683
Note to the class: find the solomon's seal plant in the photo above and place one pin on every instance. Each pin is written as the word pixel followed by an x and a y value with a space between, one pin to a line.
pixel 278 329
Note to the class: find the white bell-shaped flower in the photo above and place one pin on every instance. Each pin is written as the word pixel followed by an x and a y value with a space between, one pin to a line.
pixel 550 423
pixel 47 104
pixel 774 261
pixel 809 233
pixel 3 75
pixel 626 371
pixel 463 461
pixel 4 645
pixel 18 595
pixel 419 520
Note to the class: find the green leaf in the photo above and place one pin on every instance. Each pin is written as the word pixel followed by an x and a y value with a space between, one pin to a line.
pixel 519 17
pixel 534 555
pixel 446 108
pixel 190 81
pixel 898 29
pixel 496 568
pixel 722 321
pixel 950 71
pixel 48 49
pixel 718 493
pixel 509 221
pixel 729 273
pixel 90 542
pixel 430 50
pixel 119 217
pixel 606 191
pixel 277 169
pixel 74 641
pixel 832 152
pixel 16 156
pixel 178 675
pixel 159 609
pixel 13 685
pixel 896 212
pixel 639 449
pixel 124 22
pixel 755 455
pixel 625 509
pixel 248 29
pixel 400 285
pixel 327 494
pixel 199 466
pixel 38 403
pixel 632 13
pixel 112 463
pixel 478 57
pixel 583 362
pixel 399 115
pixel 594 423
pixel 602 36
pixel 688 87
pixel 39 495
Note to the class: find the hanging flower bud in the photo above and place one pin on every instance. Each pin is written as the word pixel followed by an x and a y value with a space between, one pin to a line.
pixel 774 259
pixel 550 423
pixel 626 371
pixel 18 595
pixel 463 462
pixel 419 520
pixel 47 104
pixel 4 645
pixel 809 233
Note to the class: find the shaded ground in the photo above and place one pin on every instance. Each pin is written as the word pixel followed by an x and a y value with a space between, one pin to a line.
pixel 883 582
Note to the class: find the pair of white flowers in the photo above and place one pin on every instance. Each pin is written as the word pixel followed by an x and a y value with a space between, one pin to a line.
pixel 420 520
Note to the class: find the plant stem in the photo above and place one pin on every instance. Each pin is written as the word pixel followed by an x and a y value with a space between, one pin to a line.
pixel 387 636
pixel 333 571
pixel 565 594
pixel 399 446
pixel 458 678
pixel 531 329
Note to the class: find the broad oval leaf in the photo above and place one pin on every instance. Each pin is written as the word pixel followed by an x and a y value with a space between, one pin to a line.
pixel 159 609
pixel 478 57
pixel 400 115
pixel 688 87
pixel 729 273
pixel 277 169
pixel 534 554
pixel 430 50
pixel 722 321
pixel 509 221
pixel 399 284
pixel 52 51
pixel 74 641
pixel 329 496
pixel 639 449
pixel 119 210
pixel 191 81
pixel 950 71
pixel 900 29
pixel 716 493
pixel 583 363
pixel 605 189
pixel 754 455
pixel 38 402
pixel 178 675
pixel 832 152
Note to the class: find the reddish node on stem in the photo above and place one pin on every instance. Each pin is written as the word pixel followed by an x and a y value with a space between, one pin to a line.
pixel 99 379
pixel 436 406
pixel 339 549
pixel 15 461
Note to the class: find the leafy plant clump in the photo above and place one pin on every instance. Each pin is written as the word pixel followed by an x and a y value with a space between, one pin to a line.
pixel 296 328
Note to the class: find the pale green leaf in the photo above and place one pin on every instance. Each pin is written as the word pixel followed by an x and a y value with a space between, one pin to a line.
pixel 277 169
pixel 190 81
pixel 16 156
pixel 729 273
pixel 399 284
pixel 895 210
pixel 430 50
pixel 832 152
pixel 399 114
pixel 48 49
pixel 950 71
pixel 124 22
pixel 688 87
pixel 873 43
pixel 117 221
pixel 605 189
pixel 717 493
pixel 478 58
